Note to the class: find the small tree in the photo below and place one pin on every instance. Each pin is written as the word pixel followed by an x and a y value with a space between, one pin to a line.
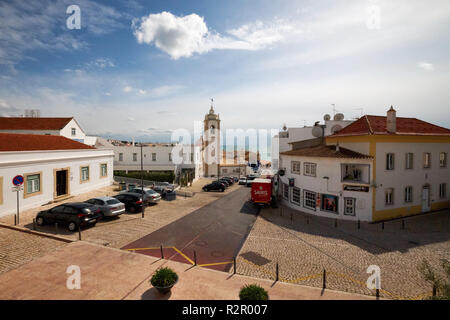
pixel 441 283
pixel 253 292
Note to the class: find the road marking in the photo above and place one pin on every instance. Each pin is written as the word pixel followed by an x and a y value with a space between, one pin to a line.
pixel 214 264
pixel 184 256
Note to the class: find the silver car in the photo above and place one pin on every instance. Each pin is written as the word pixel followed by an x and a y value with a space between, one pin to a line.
pixel 109 207
pixel 150 194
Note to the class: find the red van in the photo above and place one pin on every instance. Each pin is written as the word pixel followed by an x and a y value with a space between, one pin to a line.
pixel 262 191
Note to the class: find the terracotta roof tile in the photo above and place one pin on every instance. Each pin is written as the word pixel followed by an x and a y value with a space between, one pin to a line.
pixel 34 142
pixel 326 152
pixel 377 125
pixel 33 123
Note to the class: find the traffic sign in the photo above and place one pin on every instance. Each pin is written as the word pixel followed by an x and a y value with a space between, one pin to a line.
pixel 18 180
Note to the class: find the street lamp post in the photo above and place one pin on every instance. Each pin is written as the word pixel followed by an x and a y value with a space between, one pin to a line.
pixel 142 181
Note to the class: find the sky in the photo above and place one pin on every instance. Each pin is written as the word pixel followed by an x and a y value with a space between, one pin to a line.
pixel 146 68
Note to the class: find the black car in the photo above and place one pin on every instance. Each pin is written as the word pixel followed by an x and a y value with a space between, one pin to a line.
pixel 162 190
pixel 216 185
pixel 73 215
pixel 133 201
pixel 229 179
pixel 225 182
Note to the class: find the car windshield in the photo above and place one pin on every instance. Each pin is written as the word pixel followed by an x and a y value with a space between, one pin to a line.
pixel 112 201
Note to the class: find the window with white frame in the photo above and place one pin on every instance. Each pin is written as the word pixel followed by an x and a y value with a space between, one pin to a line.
pixel 389 196
pixel 296 195
pixel 349 206
pixel 285 191
pixel 309 199
pixel 309 169
pixel 103 170
pixel 74 131
pixel 390 161
pixel 295 167
pixel 84 173
pixel 153 156
pixel 443 190
pixel 427 160
pixel 33 183
pixel 134 156
pixel 443 159
pixel 409 158
pixel 408 194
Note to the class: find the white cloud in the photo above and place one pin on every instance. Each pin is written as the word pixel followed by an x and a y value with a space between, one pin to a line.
pixel 142 92
pixel 184 36
pixel 426 66
pixel 127 89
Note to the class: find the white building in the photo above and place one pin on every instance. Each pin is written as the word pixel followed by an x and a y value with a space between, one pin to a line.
pixel 54 168
pixel 392 167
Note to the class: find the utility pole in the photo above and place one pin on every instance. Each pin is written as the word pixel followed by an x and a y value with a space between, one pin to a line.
pixel 142 181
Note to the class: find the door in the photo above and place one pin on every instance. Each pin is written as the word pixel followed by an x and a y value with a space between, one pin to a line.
pixel 426 199
pixel 61 182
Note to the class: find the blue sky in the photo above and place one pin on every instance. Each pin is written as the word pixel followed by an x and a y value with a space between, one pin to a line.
pixel 144 68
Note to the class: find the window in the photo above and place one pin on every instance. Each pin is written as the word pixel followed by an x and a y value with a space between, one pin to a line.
pixel 443 160
pixel 389 161
pixel 74 132
pixel 33 183
pixel 443 190
pixel 409 158
pixel 120 156
pixel 309 169
pixel 408 194
pixel 285 191
pixel 349 206
pixel 309 200
pixel 103 170
pixel 329 203
pixel 427 160
pixel 153 156
pixel 354 172
pixel 84 174
pixel 296 195
pixel 295 167
pixel 389 196
pixel 134 156
pixel 170 157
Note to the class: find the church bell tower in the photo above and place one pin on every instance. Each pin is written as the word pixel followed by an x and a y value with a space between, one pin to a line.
pixel 211 143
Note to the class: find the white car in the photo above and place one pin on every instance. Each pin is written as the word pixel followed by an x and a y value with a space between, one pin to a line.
pixel 243 181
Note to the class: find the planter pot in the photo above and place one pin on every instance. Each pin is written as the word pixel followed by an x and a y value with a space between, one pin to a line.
pixel 167 289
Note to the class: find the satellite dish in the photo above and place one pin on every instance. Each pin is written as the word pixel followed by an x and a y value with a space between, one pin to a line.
pixel 336 128
pixel 326 117
pixel 317 131
pixel 338 117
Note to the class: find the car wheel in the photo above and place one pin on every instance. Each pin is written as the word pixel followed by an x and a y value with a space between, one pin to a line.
pixel 40 221
pixel 222 190
pixel 72 226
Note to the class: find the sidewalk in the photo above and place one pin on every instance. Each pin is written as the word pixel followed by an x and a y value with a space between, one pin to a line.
pixel 108 273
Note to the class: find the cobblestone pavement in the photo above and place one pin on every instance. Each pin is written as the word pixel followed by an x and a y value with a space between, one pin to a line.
pixel 18 248
pixel 305 245
pixel 128 227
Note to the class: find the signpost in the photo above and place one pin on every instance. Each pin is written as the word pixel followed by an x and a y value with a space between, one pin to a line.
pixel 17 183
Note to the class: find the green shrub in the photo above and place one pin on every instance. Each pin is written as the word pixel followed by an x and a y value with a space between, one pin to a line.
pixel 253 292
pixel 164 277
pixel 440 280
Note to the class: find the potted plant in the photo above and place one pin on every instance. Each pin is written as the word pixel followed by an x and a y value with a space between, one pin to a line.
pixel 164 279
pixel 253 292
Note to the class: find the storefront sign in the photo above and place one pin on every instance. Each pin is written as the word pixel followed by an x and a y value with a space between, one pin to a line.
pixel 356 188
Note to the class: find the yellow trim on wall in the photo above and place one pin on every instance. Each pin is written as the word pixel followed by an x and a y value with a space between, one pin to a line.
pixel 396 213
pixel 25 188
pixel 435 206
pixel 1 190
pixel 89 174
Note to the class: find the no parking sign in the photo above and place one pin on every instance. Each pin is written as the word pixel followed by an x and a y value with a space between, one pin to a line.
pixel 18 180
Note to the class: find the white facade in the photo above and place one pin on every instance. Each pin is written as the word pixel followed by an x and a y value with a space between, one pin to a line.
pixel 49 166
pixel 328 181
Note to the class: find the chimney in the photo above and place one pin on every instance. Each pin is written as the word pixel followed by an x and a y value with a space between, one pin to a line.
pixel 391 122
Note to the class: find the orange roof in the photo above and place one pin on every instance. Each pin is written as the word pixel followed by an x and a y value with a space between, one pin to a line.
pixel 376 125
pixel 326 152
pixel 34 142
pixel 33 123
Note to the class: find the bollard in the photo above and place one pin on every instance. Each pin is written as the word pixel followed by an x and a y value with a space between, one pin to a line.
pixel 377 293
pixel 291 217
pixel 307 220
pixel 403 224
pixel 79 233
pixel 195 258
pixel 359 224
pixel 324 280
pixel 434 290
pixel 382 225
pixel 234 264
pixel 276 279
pixel 15 220
pixel 335 223
pixel 162 253
pixel 281 211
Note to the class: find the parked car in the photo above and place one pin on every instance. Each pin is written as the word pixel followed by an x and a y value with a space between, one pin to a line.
pixel 73 215
pixel 109 206
pixel 229 179
pixel 133 201
pixel 161 190
pixel 166 185
pixel 215 185
pixel 236 179
pixel 226 182
pixel 153 196
pixel 243 181
pixel 250 179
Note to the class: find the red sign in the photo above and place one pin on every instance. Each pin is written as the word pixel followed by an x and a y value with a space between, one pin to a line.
pixel 18 180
